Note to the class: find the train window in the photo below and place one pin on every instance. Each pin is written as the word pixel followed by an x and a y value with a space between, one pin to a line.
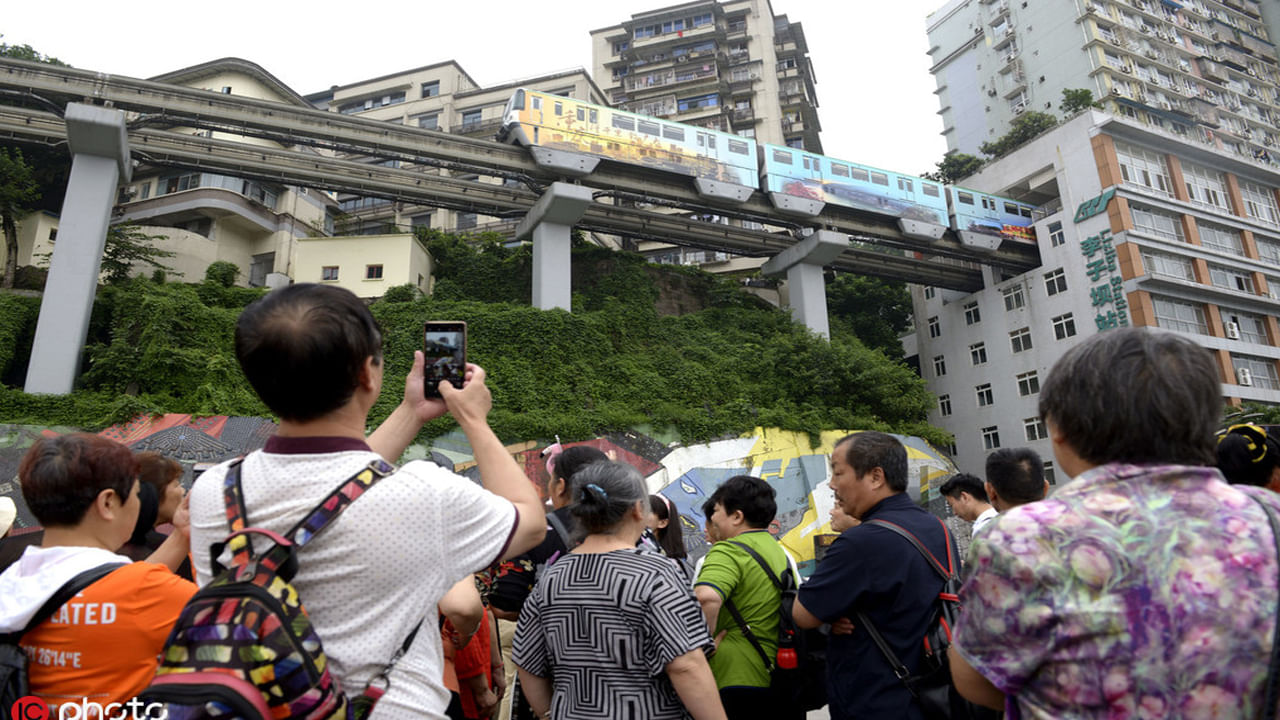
pixel 930 190
pixel 964 197
pixel 738 147
pixel 1024 211
pixel 594 116
pixel 537 103
pixel 859 174
pixel 905 185
pixel 559 108
pixel 647 127
pixel 988 204
pixel 781 156
pixel 841 170
pixel 673 133
pixel 1011 208
pixel 808 162
pixel 880 179
pixel 622 122
pixel 711 142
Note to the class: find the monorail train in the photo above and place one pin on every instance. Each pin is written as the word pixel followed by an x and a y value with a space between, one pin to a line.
pixel 534 118
pixel 538 119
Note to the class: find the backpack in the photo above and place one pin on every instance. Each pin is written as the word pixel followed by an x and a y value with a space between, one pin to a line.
pixel 932 688
pixel 243 646
pixel 13 660
pixel 798 676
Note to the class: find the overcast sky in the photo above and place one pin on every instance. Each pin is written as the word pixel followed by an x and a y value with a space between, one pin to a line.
pixel 875 94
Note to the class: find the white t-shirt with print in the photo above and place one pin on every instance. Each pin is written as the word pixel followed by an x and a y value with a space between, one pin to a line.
pixel 383 565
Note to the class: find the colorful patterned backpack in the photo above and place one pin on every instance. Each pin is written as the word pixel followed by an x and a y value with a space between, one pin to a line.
pixel 243 646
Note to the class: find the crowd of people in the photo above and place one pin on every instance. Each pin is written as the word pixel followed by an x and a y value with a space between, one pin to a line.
pixel 1144 587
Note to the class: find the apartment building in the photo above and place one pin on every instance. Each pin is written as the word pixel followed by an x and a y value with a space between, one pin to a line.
pixel 435 97
pixel 732 66
pixel 1139 226
pixel 1202 70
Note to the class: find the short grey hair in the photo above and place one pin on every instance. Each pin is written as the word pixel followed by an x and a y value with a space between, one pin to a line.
pixel 603 492
pixel 1135 395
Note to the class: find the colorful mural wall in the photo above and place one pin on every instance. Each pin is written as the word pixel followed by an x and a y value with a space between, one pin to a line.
pixel 684 474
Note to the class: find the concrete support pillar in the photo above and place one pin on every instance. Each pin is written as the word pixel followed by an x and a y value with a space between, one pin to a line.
pixel 100 160
pixel 549 223
pixel 806 288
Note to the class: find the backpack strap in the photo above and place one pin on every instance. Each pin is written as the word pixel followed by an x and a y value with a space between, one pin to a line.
pixel 62 596
pixel 561 530
pixel 898 668
pixel 947 572
pixel 737 616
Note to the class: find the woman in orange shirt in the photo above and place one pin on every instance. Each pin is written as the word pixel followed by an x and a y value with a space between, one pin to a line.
pixel 100 647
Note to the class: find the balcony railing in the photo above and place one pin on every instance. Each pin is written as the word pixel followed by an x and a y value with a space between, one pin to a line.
pixel 674 76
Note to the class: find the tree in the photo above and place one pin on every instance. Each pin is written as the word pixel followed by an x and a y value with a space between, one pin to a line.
pixel 1076 99
pixel 1025 127
pixel 222 273
pixel 26 52
pixel 876 311
pixel 18 194
pixel 1251 412
pixel 954 167
pixel 126 245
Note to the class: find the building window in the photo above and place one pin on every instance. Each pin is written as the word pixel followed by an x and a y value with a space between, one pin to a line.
pixel 935 330
pixel 1143 167
pixel 1156 223
pixel 985 397
pixel 1259 372
pixel 1174 266
pixel 372 272
pixel 1056 235
pixel 698 102
pixel 431 89
pixel 939 365
pixel 1049 475
pixel 471 119
pixel 329 272
pixel 1014 299
pixel 1245 326
pixel 1268 250
pixel 1028 384
pixel 971 314
pixel 978 353
pixel 1229 279
pixel 1259 203
pixel 1205 186
pixel 1055 282
pixel 1020 340
pixel 1178 315
pixel 430 121
pixel 1064 326
pixel 420 221
pixel 929 292
pixel 991 437
pixel 1034 428
pixel 465 221
pixel 1222 239
pixel 944 405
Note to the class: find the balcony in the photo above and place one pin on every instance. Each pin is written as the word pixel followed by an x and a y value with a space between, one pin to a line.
pixel 685 74
pixel 744 115
pixel 656 107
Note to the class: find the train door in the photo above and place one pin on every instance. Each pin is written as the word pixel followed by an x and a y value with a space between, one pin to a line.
pixel 706 145
pixel 811 169
pixel 535 117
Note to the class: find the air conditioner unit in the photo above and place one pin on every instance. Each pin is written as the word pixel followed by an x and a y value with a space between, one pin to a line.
pixel 1118 91
pixel 1253 92
pixel 683 58
pixel 1019 109
pixel 1165 104
pixel 1215 35
pixel 1145 30
pixel 1151 54
pixel 1244 377
pixel 1010 57
pixel 1233 331
pixel 1008 32
pixel 1090 9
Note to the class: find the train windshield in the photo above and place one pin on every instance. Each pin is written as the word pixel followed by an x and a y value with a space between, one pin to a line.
pixel 516 102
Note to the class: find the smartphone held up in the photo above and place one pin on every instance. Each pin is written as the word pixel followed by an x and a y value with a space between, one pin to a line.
pixel 444 345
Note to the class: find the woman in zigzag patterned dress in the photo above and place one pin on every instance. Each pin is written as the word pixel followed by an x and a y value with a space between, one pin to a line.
pixel 610 631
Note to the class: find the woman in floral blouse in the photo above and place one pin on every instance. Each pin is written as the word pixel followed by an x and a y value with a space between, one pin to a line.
pixel 1145 587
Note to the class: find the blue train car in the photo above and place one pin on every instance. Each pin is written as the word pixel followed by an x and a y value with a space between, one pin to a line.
pixel 537 119
pixel 987 214
pixel 802 174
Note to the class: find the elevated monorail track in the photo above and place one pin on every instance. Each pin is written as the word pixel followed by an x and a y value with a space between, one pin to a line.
pixel 313 134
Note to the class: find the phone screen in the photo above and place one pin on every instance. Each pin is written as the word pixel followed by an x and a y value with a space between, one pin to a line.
pixel 445 347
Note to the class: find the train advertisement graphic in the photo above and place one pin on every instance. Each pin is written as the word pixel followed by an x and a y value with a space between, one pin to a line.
pixel 537 119
pixel 990 215
pixel 817 177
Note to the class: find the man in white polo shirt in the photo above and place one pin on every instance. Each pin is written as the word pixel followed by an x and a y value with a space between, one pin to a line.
pixel 313 353
pixel 967 496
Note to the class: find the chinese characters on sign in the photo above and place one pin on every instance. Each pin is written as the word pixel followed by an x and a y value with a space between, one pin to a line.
pixel 1107 294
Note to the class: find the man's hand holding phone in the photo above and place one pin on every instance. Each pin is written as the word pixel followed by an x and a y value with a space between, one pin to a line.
pixel 472 403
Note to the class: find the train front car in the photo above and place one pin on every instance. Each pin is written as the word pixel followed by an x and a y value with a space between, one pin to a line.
pixel 795 177
pixel 720 162
pixel 985 221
